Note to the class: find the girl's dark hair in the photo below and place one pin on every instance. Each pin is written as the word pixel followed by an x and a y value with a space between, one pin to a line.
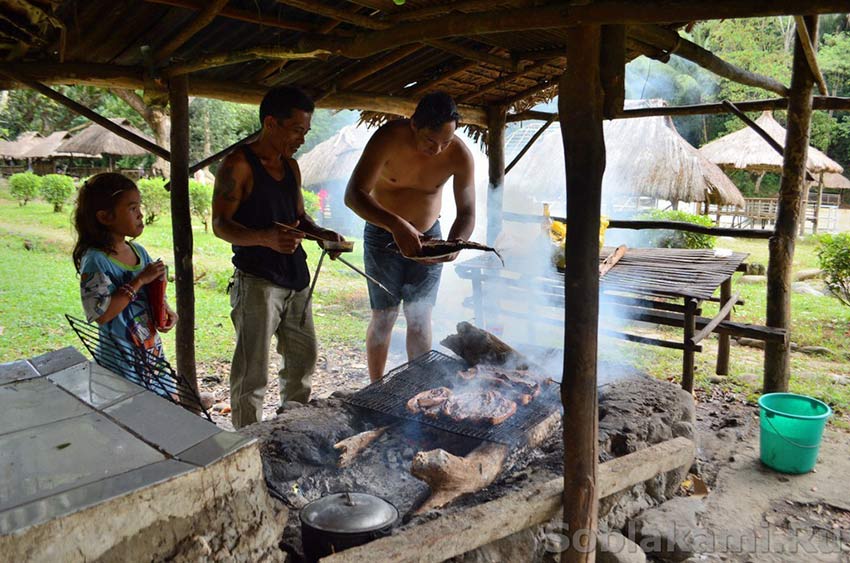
pixel 434 110
pixel 99 193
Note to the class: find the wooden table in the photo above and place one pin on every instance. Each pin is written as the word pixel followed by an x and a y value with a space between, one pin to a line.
pixel 656 285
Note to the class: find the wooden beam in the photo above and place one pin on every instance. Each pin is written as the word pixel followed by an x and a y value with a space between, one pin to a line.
pixel 507 79
pixel 528 145
pixel 689 228
pixel 455 533
pixel 809 45
pixel 249 16
pixel 537 88
pixel 674 43
pixel 426 12
pixel 495 170
pixel 322 9
pixel 782 244
pixel 87 74
pixel 563 16
pixel 452 72
pixel 86 112
pixel 364 70
pixel 580 105
pixel 472 54
pixel 181 228
pixel 235 57
pixel 832 103
pixel 199 22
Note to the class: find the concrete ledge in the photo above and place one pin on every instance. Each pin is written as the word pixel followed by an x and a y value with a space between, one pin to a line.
pixel 221 509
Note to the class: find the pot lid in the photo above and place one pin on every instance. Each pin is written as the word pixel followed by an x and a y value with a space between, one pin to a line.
pixel 349 513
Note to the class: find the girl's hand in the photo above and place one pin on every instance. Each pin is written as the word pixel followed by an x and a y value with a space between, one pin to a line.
pixel 170 320
pixel 151 272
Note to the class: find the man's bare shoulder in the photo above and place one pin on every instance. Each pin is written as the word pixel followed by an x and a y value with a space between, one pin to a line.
pixel 393 132
pixel 235 163
pixel 232 176
pixel 460 152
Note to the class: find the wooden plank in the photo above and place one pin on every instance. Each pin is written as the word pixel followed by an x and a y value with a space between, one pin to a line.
pixel 723 339
pixel 667 318
pixel 720 317
pixel 689 227
pixel 675 345
pixel 181 228
pixel 462 531
pixel 688 353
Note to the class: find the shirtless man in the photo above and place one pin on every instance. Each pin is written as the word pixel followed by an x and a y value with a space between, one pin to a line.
pixel 397 188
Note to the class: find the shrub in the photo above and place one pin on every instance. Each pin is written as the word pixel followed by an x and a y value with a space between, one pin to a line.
pixel 24 186
pixel 678 239
pixel 834 257
pixel 56 189
pixel 311 204
pixel 200 201
pixel 155 199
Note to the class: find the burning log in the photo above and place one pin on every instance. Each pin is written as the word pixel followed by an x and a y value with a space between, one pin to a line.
pixel 351 447
pixel 479 346
pixel 451 476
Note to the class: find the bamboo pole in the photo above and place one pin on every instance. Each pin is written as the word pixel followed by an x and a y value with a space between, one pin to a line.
pixel 581 105
pixel 782 243
pixel 496 169
pixel 181 228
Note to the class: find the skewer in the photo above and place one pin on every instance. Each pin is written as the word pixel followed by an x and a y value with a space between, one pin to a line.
pixel 365 275
pixel 306 235
pixel 312 287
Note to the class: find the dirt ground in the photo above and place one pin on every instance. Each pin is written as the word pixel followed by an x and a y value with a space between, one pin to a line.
pixel 750 513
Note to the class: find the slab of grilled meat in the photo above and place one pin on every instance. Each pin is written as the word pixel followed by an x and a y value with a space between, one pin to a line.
pixel 486 407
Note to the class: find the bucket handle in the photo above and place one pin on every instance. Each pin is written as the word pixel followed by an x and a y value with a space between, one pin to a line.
pixel 768 416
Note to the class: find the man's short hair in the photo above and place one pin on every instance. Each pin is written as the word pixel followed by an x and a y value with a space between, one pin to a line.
pixel 279 102
pixel 434 110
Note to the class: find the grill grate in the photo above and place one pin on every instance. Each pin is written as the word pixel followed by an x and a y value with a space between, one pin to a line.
pixel 434 369
pixel 148 371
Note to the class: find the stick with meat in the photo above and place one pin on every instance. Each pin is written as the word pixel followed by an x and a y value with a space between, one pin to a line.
pixel 437 248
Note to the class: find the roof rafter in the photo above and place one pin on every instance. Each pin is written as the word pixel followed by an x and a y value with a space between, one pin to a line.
pixel 807 42
pixel 199 22
pixel 237 14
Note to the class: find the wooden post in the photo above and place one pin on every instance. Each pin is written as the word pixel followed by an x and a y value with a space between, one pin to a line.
pixel 181 229
pixel 804 206
pixel 723 344
pixel 777 355
pixel 496 157
pixel 689 353
pixel 580 105
pixel 819 202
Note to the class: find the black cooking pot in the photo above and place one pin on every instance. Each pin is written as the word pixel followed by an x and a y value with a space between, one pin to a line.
pixel 342 520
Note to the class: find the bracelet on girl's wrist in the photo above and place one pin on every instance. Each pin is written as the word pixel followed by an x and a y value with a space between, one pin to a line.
pixel 127 290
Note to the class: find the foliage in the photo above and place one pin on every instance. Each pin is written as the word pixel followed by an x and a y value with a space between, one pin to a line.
pixel 678 239
pixel 200 201
pixel 24 186
pixel 155 199
pixel 834 257
pixel 311 203
pixel 56 189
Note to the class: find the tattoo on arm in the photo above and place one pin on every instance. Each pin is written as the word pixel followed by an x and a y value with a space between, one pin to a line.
pixel 225 185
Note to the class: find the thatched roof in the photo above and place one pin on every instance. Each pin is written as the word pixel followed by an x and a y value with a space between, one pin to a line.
pixel 19 147
pixel 746 150
pixel 46 147
pixel 834 181
pixel 95 140
pixel 644 156
pixel 334 159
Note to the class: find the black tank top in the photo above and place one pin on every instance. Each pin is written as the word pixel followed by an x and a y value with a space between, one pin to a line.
pixel 270 201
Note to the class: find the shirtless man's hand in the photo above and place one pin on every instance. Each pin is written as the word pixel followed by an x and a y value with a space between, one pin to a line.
pixel 407 238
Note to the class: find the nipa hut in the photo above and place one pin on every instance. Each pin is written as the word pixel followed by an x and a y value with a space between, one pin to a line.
pixel 97 141
pixel 644 157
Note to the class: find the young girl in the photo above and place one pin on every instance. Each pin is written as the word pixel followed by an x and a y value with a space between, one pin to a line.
pixel 114 273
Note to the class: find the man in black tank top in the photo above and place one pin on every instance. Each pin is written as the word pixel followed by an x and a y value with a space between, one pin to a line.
pixel 257 187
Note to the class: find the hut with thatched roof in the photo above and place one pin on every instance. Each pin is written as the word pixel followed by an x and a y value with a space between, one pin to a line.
pixel 14 153
pixel 747 150
pixel 644 157
pixel 97 141
pixel 42 153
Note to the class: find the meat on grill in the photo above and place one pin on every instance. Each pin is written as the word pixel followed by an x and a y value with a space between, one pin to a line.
pixel 488 407
pixel 429 402
pixel 519 384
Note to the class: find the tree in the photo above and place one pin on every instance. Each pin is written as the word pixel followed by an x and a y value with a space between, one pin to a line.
pixel 158 118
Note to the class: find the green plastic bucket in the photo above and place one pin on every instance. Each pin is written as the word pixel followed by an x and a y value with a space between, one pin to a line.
pixel 791 431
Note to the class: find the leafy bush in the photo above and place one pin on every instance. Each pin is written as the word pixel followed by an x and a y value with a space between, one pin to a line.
pixel 24 186
pixel 200 201
pixel 678 239
pixel 311 203
pixel 155 199
pixel 56 189
pixel 834 256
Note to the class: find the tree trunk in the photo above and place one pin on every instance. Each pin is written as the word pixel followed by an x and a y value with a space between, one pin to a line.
pixel 776 355
pixel 580 106
pixel 757 189
pixel 158 119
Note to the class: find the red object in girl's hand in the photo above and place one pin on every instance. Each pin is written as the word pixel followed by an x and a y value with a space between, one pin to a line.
pixel 156 295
